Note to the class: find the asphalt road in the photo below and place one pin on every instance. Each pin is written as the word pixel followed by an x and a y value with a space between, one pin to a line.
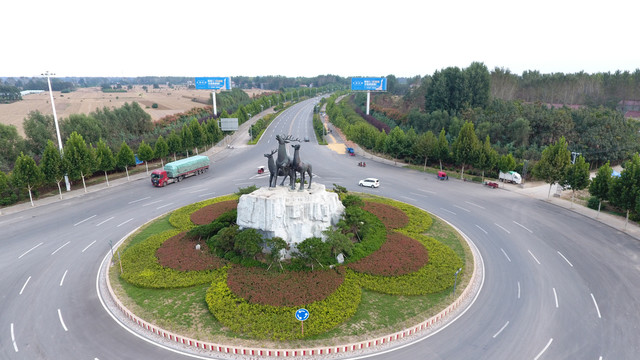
pixel 558 285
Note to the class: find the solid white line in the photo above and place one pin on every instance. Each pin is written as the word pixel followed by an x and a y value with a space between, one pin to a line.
pixel 505 254
pixel 461 208
pixel 565 259
pixel 543 350
pixel 555 295
pixel 65 244
pixel 13 339
pixel 522 226
pixel 507 231
pixel 499 331
pixel 89 218
pixel 534 257
pixel 596 304
pixel 25 285
pixel 94 241
pixel 449 211
pixel 135 201
pixel 518 289
pixel 26 252
pixel 160 207
pixel 483 230
pixel 111 218
pixel 62 321
pixel 63 276
pixel 124 222
pixel 207 194
pixel 151 203
pixel 476 205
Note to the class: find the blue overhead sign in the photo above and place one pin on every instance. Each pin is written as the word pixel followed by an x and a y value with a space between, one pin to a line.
pixel 368 84
pixel 213 83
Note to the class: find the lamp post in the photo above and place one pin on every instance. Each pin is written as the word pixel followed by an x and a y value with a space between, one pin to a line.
pixel 456 280
pixel 250 128
pixel 55 120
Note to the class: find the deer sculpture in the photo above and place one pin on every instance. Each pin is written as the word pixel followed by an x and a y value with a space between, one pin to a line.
pixel 284 161
pixel 273 170
pixel 301 167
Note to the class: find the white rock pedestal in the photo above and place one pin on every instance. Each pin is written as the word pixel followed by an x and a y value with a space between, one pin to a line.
pixel 292 215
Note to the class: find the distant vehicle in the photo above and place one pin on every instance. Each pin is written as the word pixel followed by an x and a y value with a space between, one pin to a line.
pixel 443 175
pixel 351 151
pixel 306 139
pixel 260 169
pixel 369 182
pixel 511 177
pixel 178 170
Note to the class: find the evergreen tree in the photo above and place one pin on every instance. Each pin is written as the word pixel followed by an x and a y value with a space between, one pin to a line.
pixel 577 176
pixel 465 145
pixel 125 158
pixel 52 165
pixel 78 157
pixel 27 174
pixel 145 153
pixel 161 149
pixel 104 159
pixel 553 164
pixel 599 186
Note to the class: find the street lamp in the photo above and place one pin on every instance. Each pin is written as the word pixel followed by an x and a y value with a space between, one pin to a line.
pixel 456 280
pixel 55 120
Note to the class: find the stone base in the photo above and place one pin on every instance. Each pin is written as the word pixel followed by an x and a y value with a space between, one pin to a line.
pixel 293 215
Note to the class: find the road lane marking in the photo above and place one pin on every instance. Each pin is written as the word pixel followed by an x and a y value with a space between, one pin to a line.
pixel 122 223
pixel 522 226
pixel 555 295
pixel 596 304
pixel 83 250
pixel 189 188
pixel 499 331
pixel 428 191
pixel 476 205
pixel 28 251
pixel 483 230
pixel 461 208
pixel 135 201
pixel 505 254
pixel 197 191
pixel 416 194
pixel 63 276
pixel 507 231
pixel 13 339
pixel 543 350
pixel 111 218
pixel 160 207
pixel 62 321
pixel 518 289
pixel 565 259
pixel 534 257
pixel 207 194
pixel 25 285
pixel 449 211
pixel 89 218
pixel 151 203
pixel 65 244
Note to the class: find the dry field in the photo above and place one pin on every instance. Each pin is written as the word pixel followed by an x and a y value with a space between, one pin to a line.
pixel 86 100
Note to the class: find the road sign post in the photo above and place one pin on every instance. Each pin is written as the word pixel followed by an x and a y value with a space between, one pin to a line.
pixel 302 315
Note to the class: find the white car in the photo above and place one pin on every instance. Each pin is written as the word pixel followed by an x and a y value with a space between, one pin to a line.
pixel 370 182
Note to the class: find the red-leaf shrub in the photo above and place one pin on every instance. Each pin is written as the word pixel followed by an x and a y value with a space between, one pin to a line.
pixel 391 216
pixel 211 212
pixel 180 254
pixel 399 255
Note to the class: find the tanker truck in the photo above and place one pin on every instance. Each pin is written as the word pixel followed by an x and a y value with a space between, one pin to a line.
pixel 178 170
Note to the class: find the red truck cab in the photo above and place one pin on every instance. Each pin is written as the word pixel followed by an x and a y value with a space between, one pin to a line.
pixel 159 177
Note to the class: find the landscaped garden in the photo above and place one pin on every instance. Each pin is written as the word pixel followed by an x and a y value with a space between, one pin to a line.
pixel 194 272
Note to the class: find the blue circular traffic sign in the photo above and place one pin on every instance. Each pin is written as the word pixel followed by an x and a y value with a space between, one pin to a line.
pixel 302 314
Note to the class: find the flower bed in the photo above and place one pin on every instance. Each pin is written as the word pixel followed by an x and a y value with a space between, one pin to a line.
pixel 391 216
pixel 180 254
pixel 399 255
pixel 208 213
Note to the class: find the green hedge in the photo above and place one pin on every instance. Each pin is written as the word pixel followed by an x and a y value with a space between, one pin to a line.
pixel 279 322
pixel 372 239
pixel 141 268
pixel 181 218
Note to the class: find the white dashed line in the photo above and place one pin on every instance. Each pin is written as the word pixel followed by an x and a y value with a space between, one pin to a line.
pixel 111 218
pixel 596 304
pixel 499 331
pixel 62 321
pixel 207 194
pixel 483 230
pixel 58 249
pixel 476 205
pixel 122 223
pixel 13 339
pixel 555 295
pixel 25 285
pixel 534 257
pixel 83 250
pixel 461 208
pixel 28 251
pixel 518 289
pixel 151 203
pixel 543 350
pixel 505 254
pixel 160 207
pixel 507 231
pixel 63 276
pixel 522 226
pixel 449 211
pixel 80 222
pixel 565 259
pixel 135 201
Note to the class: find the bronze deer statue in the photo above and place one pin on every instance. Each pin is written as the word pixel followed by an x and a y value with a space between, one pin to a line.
pixel 273 170
pixel 301 167
pixel 283 162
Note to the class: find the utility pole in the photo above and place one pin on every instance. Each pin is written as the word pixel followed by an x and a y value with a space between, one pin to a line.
pixel 55 120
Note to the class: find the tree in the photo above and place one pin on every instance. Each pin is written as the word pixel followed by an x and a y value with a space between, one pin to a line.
pixel 52 165
pixel 312 249
pixel 338 242
pixel 38 129
pixel 78 157
pixel 465 145
pixel 425 146
pixel 5 197
pixel 624 190
pixel 247 243
pixel 145 153
pixel 27 174
pixel 161 149
pixel 11 144
pixel 506 163
pixel 187 139
pixel 104 159
pixel 125 158
pixel 174 143
pixel 442 148
pixel 599 186
pixel 577 176
pixel 275 245
pixel 553 164
pixel 486 157
pixel 197 134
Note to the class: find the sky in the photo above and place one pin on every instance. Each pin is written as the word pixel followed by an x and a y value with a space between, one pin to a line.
pixel 305 38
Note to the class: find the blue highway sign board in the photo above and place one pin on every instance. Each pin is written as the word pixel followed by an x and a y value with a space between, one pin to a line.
pixel 213 83
pixel 368 84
